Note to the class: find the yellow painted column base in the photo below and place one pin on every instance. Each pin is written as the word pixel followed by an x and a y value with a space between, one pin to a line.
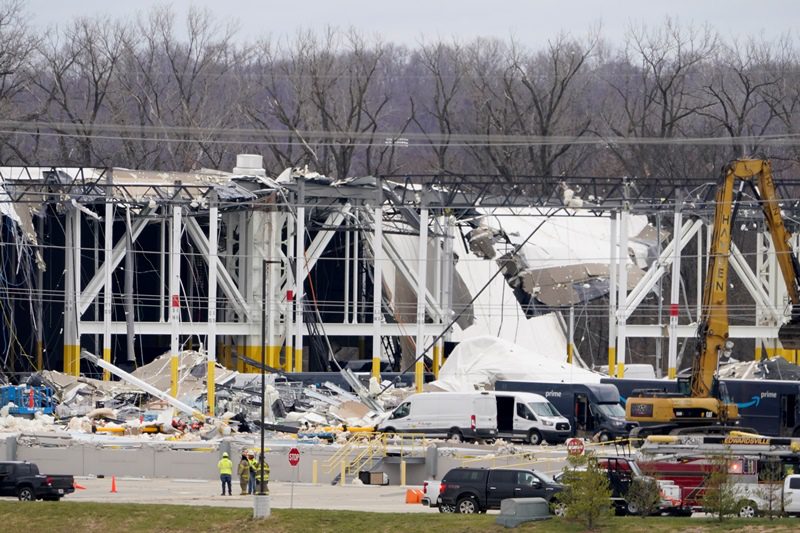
pixel 173 373
pixel 612 360
pixel 620 370
pixel 72 359
pixel 287 358
pixel 419 378
pixel 376 368
pixel 437 360
pixel 672 373
pixel 211 395
pixel 274 356
pixel 107 359
pixel 570 350
pixel 298 360
pixel 240 364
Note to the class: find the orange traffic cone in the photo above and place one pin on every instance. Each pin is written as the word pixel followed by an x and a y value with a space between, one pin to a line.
pixel 76 486
pixel 113 484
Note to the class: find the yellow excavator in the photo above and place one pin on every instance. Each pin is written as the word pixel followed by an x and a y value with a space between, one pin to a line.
pixel 703 403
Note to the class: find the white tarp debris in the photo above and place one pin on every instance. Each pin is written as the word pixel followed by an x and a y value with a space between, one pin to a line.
pixel 482 361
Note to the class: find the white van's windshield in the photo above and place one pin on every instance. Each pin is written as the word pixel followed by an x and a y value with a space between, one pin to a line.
pixel 543 409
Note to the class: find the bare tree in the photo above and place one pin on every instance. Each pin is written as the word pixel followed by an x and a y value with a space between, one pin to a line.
pixel 737 87
pixel 654 83
pixel 78 71
pixel 445 69
pixel 17 46
pixel 538 96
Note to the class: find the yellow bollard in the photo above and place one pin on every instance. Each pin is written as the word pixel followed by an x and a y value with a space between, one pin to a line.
pixel 343 473
pixel 402 473
pixel 314 466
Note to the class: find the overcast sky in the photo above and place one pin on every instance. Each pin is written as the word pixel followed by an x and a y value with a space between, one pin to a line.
pixel 408 22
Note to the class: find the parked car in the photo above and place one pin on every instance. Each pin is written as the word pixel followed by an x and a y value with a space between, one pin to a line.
pixel 529 417
pixel 430 495
pixel 23 480
pixel 455 415
pixel 475 490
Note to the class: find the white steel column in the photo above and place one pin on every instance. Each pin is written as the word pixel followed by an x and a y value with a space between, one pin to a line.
pixel 377 289
pixel 699 288
pixel 612 297
pixel 623 292
pixel 422 287
pixel 273 296
pixel 70 315
pixel 571 343
pixel 175 298
pixel 40 296
pixel 108 293
pixel 299 275
pixel 674 296
pixel 76 272
pixel 356 267
pixel 346 306
pixel 288 352
pixel 162 278
pixel 211 348
pixel 438 275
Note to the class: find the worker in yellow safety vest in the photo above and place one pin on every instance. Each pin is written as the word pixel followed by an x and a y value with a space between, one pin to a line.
pixel 225 467
pixel 262 482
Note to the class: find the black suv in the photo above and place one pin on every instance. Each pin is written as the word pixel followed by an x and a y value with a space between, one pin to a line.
pixel 474 490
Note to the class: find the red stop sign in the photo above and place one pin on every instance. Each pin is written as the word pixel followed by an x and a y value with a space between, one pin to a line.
pixel 575 446
pixel 294 457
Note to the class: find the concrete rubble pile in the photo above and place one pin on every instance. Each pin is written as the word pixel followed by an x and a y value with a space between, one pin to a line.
pixel 322 412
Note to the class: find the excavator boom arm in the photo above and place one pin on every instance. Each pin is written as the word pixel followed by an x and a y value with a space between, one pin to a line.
pixel 713 330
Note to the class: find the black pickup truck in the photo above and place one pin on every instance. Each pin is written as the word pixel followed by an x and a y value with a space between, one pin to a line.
pixel 474 490
pixel 23 480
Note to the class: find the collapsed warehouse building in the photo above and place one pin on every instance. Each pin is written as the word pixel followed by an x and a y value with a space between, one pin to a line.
pixel 130 264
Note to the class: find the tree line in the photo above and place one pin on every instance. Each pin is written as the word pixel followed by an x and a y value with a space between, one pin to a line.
pixel 169 93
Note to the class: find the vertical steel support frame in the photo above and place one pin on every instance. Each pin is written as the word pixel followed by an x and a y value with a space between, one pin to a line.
pixel 438 275
pixel 274 348
pixel 211 349
pixel 346 306
pixel 40 300
pixel 422 287
pixel 612 296
pixel 672 351
pixel 377 287
pixel 108 293
pixel 288 352
pixel 71 260
pixel 299 274
pixel 175 299
pixel 356 266
pixel 622 296
pixel 571 343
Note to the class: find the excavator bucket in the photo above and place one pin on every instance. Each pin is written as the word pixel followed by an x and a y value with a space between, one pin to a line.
pixel 789 335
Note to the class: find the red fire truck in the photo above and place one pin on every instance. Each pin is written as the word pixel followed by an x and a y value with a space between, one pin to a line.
pixel 688 460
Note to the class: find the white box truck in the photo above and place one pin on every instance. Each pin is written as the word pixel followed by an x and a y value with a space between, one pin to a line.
pixel 529 417
pixel 458 416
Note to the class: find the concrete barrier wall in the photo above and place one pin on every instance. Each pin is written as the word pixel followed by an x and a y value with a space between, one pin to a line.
pixel 199 460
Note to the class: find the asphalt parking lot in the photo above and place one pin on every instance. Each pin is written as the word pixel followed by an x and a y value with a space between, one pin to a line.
pixel 389 499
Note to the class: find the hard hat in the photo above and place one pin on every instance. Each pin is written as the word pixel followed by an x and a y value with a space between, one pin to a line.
pixel 224 454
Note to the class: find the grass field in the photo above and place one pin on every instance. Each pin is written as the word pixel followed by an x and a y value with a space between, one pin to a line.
pixel 69 517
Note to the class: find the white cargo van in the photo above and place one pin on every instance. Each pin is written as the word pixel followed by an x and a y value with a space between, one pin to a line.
pixel 529 417
pixel 455 415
